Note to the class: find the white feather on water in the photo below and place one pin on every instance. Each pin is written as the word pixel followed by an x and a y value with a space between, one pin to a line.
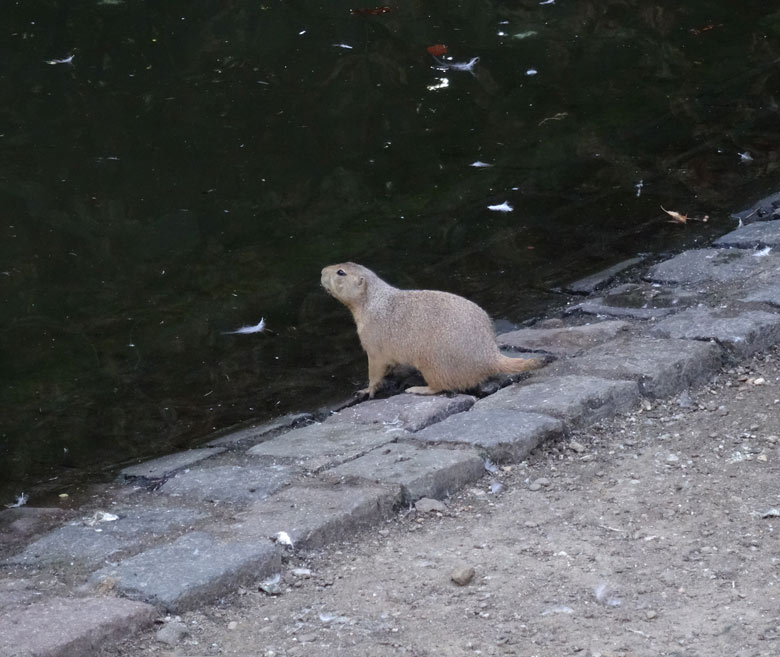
pixel 21 500
pixel 244 330
pixel 64 60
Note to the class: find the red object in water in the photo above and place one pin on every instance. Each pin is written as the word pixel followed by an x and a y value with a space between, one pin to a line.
pixel 376 11
pixel 706 28
pixel 437 50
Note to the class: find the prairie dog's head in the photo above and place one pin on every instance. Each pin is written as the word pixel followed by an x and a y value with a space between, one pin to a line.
pixel 348 282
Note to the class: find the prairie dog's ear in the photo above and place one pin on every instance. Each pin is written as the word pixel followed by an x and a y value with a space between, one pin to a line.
pixel 361 281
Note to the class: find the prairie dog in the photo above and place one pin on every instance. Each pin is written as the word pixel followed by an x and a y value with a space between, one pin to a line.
pixel 448 338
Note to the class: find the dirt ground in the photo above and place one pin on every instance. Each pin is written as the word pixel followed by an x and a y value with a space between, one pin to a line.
pixel 652 534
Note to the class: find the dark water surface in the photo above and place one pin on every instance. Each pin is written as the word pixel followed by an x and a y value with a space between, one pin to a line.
pixel 196 164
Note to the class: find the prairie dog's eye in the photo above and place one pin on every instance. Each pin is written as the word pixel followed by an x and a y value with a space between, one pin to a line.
pixel 341 272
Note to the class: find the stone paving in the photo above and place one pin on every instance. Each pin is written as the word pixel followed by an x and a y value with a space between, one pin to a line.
pixel 189 528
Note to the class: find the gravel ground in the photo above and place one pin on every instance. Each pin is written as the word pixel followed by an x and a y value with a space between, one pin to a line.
pixel 651 534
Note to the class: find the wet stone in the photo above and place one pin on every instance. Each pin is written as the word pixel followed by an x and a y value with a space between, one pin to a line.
pixel 741 334
pixel 562 341
pixel 504 434
pixel 590 284
pixel 661 367
pixel 578 400
pixel 318 514
pixel 404 411
pixel 165 466
pixel 766 209
pixel 70 627
pixel 601 308
pixel 79 543
pixel 254 433
pixel 430 472
pixel 194 569
pixel 707 265
pixel 19 525
pixel 638 301
pixel 235 484
pixel 753 236
pixel 325 445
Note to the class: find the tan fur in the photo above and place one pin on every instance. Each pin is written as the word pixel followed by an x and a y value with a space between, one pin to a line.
pixel 448 338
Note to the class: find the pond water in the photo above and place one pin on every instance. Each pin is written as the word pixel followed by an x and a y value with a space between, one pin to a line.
pixel 173 171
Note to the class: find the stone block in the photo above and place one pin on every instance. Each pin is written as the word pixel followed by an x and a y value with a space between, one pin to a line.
pixel 318 514
pixel 769 293
pixel 16 593
pixel 660 367
pixel 235 484
pixel 753 236
pixel 165 466
pixel 564 341
pixel 194 569
pixel 83 544
pixel 70 627
pixel 578 400
pixel 404 411
pixel 707 266
pixel 740 333
pixel 255 432
pixel 501 434
pixel 430 472
pixel 325 445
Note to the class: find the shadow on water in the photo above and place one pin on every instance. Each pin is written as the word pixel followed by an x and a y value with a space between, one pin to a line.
pixel 195 164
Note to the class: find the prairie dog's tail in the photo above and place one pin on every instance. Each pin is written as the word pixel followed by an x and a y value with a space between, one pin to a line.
pixel 516 365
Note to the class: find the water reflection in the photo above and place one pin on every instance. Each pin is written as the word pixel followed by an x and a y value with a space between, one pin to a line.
pixel 193 165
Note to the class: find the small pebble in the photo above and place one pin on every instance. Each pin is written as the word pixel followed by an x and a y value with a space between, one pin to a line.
pixel 232 625
pixel 462 575
pixel 496 487
pixel 577 447
pixel 171 633
pixel 650 614
pixel 428 505
pixel 272 585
